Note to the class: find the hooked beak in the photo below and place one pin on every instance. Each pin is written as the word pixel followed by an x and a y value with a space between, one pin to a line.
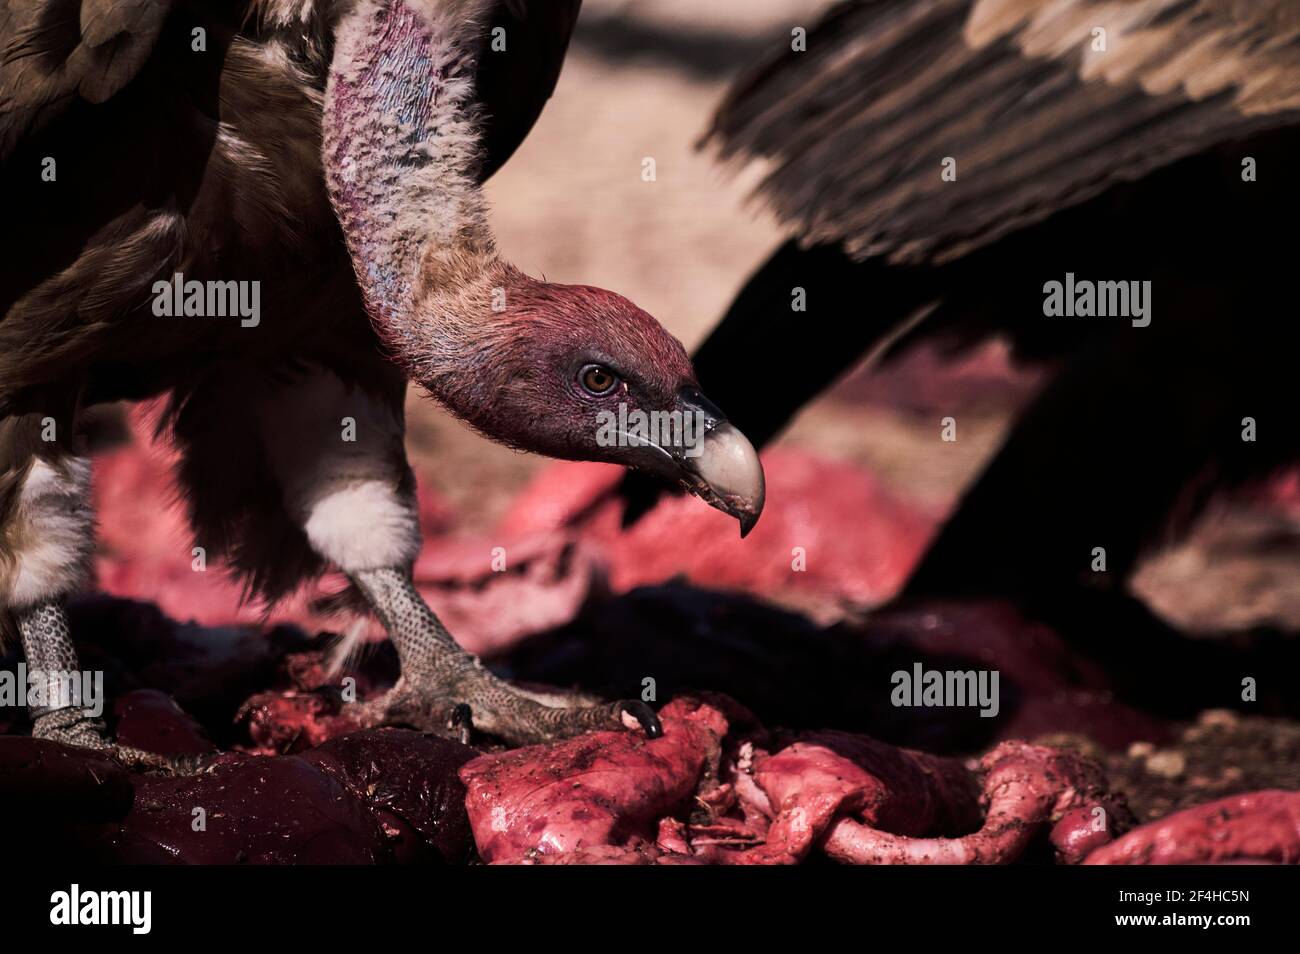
pixel 712 460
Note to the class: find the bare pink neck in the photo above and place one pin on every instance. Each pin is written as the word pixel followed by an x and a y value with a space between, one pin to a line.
pixel 400 151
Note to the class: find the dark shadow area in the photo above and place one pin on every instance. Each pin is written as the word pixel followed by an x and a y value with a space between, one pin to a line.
pixel 705 54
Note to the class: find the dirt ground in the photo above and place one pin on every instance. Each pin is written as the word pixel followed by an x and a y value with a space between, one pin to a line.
pixel 1221 754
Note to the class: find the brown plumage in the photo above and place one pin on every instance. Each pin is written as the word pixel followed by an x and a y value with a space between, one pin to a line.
pixel 1017 91
pixel 208 165
pixel 329 154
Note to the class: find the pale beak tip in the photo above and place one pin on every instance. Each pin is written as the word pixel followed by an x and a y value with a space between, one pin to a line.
pixel 733 476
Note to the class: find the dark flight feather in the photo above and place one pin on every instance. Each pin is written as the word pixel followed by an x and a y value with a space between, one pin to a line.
pixel 1036 119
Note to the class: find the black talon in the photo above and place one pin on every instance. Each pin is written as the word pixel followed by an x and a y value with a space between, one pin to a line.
pixel 650 723
pixel 462 717
pixel 189 764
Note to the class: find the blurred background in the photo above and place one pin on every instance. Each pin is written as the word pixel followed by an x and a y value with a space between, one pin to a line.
pixel 642 80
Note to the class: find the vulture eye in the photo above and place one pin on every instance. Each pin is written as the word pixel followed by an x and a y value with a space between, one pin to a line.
pixel 597 380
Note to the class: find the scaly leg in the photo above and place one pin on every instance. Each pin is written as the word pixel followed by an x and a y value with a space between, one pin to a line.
pixel 53 527
pixel 49 651
pixel 439 678
pixel 354 499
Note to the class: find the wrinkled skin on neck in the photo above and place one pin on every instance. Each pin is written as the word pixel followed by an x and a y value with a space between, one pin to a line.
pixel 400 149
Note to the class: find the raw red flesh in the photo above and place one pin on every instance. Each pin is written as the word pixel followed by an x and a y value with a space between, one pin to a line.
pixel 285 722
pixel 700 794
pixel 680 799
pixel 391 795
pixel 682 537
pixel 1024 787
pixel 379 796
pixel 47 785
pixel 600 790
pixel 1258 826
pixel 833 775
pixel 620 798
pixel 149 719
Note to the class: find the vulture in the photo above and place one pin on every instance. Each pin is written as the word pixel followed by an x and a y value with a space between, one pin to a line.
pixel 940 165
pixel 320 162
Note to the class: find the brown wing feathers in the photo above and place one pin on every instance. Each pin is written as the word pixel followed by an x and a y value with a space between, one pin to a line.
pixel 206 163
pixel 1020 93
pixel 56 51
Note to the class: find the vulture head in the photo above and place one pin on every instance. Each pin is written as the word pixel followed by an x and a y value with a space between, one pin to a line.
pixel 581 373
pixel 569 371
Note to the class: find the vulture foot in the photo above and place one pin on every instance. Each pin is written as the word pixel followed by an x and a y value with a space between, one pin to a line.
pixel 60 716
pixel 479 702
pixel 76 728
pixel 445 690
